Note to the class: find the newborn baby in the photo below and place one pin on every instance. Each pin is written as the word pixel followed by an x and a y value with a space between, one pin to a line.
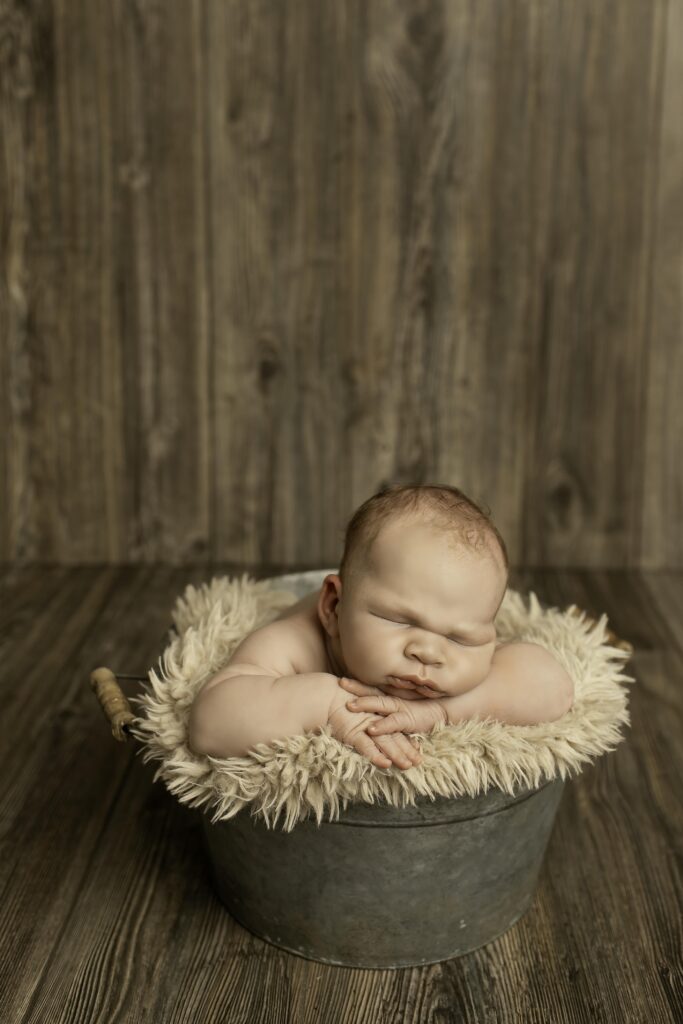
pixel 402 638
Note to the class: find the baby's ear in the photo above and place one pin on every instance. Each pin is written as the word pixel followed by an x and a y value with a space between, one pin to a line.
pixel 331 589
pixel 330 592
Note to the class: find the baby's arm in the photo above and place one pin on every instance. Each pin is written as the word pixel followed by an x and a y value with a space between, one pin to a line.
pixel 230 716
pixel 525 685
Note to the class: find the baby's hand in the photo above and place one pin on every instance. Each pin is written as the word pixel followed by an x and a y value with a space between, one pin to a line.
pixel 400 715
pixel 350 728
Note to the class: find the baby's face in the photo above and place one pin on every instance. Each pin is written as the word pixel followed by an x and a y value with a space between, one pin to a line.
pixel 424 610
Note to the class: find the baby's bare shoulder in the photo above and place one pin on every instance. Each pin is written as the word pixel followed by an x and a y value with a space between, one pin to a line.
pixel 270 647
pixel 280 648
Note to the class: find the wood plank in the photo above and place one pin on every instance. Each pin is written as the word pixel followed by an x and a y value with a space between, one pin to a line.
pixel 63 769
pixel 665 593
pixel 162 261
pixel 585 457
pixel 661 537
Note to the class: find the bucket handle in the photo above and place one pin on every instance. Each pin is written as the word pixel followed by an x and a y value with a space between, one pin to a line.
pixel 112 699
pixel 113 702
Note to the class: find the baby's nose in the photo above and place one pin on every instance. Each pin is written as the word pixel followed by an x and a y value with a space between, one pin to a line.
pixel 425 659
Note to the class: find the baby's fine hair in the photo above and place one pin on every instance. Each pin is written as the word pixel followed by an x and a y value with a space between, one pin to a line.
pixel 446 507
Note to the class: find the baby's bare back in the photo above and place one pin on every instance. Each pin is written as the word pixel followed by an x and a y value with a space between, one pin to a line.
pixel 292 643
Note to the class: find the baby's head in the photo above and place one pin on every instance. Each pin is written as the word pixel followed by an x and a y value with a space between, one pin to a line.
pixel 422 576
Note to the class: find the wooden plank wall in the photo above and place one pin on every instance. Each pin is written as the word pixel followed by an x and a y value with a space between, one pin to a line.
pixel 261 258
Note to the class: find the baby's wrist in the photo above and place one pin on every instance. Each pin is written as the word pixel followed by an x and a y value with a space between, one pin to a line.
pixel 313 692
pixel 337 694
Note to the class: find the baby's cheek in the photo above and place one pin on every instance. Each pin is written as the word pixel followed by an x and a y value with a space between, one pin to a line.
pixel 367 657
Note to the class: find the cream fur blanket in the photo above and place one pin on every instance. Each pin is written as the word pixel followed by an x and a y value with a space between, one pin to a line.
pixel 300 774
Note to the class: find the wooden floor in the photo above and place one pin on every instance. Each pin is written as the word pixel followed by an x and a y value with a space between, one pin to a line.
pixel 107 910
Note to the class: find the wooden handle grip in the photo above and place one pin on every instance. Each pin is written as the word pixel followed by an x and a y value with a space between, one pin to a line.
pixel 113 702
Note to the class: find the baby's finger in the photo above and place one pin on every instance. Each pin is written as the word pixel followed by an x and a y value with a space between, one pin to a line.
pixel 399 750
pixel 409 747
pixel 396 722
pixel 365 746
pixel 355 686
pixel 378 705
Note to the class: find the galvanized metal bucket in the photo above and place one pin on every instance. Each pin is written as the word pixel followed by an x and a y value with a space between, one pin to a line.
pixel 387 887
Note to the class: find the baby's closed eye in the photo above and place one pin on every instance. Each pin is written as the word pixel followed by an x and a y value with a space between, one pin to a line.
pixel 401 622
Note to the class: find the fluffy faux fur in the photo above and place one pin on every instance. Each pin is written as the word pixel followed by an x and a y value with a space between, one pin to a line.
pixel 303 774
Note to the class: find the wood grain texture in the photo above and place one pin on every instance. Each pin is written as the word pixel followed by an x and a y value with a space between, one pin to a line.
pixel 662 516
pixel 260 259
pixel 108 911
